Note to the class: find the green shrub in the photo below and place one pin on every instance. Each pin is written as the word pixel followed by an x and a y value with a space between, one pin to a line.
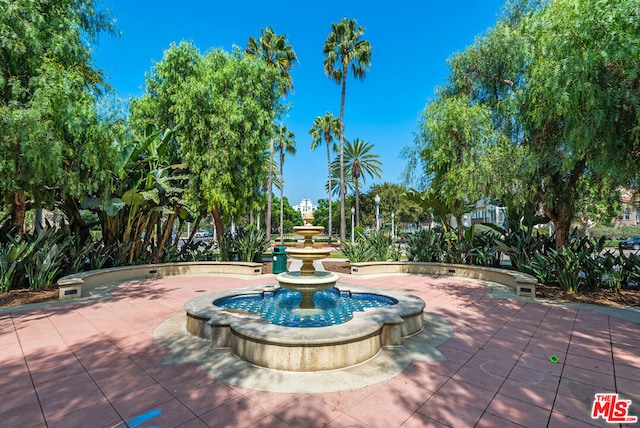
pixel 568 268
pixel 615 233
pixel 368 247
pixel 425 246
pixel 246 245
pixel 32 260
pixel 358 252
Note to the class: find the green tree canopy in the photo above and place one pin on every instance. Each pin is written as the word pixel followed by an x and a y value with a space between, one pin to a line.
pixel 558 85
pixel 222 106
pixel 47 95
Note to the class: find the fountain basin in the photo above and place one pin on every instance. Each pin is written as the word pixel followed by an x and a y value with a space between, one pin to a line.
pixel 305 349
pixel 307 285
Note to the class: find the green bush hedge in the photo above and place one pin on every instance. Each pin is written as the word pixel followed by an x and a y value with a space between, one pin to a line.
pixel 615 233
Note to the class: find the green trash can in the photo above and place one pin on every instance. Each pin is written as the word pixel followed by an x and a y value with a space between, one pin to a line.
pixel 279 259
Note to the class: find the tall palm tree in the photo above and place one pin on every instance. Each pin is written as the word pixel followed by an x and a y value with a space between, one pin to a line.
pixel 344 46
pixel 276 51
pixel 325 128
pixel 284 143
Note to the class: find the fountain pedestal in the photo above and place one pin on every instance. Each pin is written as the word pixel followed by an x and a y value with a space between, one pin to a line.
pixel 307 280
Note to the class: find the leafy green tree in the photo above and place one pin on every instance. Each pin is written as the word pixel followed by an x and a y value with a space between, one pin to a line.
pixel 582 99
pixel 559 80
pixel 275 51
pixel 223 106
pixel 454 142
pixel 345 47
pixel 393 199
pixel 41 40
pixel 290 216
pixel 321 215
pixel 284 143
pixel 324 129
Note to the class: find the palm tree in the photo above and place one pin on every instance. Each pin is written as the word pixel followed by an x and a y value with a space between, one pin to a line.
pixel 284 143
pixel 276 51
pixel 325 128
pixel 343 47
pixel 359 162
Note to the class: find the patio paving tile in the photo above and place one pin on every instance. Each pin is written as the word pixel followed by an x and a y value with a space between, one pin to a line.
pixel 451 413
pixel 97 364
pixel 346 421
pixel 535 378
pixel 527 393
pixel 240 412
pixel 134 403
pixel 605 382
pixel 515 410
pixel 307 411
pixel 418 420
pixel 462 392
pixel 204 399
pixel 170 413
pixel 345 400
pixel 24 416
pixel 16 399
pixel 101 412
pixel 482 378
pixel 491 421
pixel 382 409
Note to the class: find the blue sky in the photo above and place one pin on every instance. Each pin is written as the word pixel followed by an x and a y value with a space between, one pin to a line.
pixel 411 41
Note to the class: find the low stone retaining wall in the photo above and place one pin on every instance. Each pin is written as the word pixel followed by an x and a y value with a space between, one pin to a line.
pixel 79 284
pixel 525 285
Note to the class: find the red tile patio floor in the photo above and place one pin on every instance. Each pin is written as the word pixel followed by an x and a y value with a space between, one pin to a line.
pixel 96 364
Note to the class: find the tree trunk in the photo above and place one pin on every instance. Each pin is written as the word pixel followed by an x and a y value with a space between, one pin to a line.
pixel 19 211
pixel 562 223
pixel 267 214
pixel 343 220
pixel 357 197
pixel 217 220
pixel 281 195
pixel 77 224
pixel 330 228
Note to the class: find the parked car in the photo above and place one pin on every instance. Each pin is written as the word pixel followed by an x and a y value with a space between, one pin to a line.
pixel 632 243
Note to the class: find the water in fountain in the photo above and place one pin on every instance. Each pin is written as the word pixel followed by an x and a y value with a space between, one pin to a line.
pixel 307 281
pixel 282 306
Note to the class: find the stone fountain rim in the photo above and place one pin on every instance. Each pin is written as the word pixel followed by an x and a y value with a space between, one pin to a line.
pixel 363 324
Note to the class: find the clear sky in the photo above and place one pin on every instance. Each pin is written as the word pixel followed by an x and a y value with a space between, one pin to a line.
pixel 410 39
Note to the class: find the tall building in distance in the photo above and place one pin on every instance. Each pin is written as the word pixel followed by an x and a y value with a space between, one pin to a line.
pixel 305 206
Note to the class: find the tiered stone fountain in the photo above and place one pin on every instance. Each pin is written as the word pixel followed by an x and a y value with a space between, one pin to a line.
pixel 257 338
pixel 307 281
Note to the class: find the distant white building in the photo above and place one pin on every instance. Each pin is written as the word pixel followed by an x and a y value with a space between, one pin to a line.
pixel 305 206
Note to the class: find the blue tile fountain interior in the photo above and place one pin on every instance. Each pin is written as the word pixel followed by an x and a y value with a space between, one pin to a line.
pixel 281 307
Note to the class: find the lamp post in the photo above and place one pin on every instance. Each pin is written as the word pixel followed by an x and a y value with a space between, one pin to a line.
pixel 377 199
pixel 393 230
pixel 353 213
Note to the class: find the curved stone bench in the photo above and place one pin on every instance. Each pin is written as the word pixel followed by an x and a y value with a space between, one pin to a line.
pixel 524 284
pixel 79 284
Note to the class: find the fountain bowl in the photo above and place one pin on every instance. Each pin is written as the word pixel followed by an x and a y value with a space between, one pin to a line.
pixel 259 342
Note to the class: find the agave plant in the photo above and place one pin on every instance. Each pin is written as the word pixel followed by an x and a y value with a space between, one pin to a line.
pixel 424 246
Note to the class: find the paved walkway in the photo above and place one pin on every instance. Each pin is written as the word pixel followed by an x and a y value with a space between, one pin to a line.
pixel 97 364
